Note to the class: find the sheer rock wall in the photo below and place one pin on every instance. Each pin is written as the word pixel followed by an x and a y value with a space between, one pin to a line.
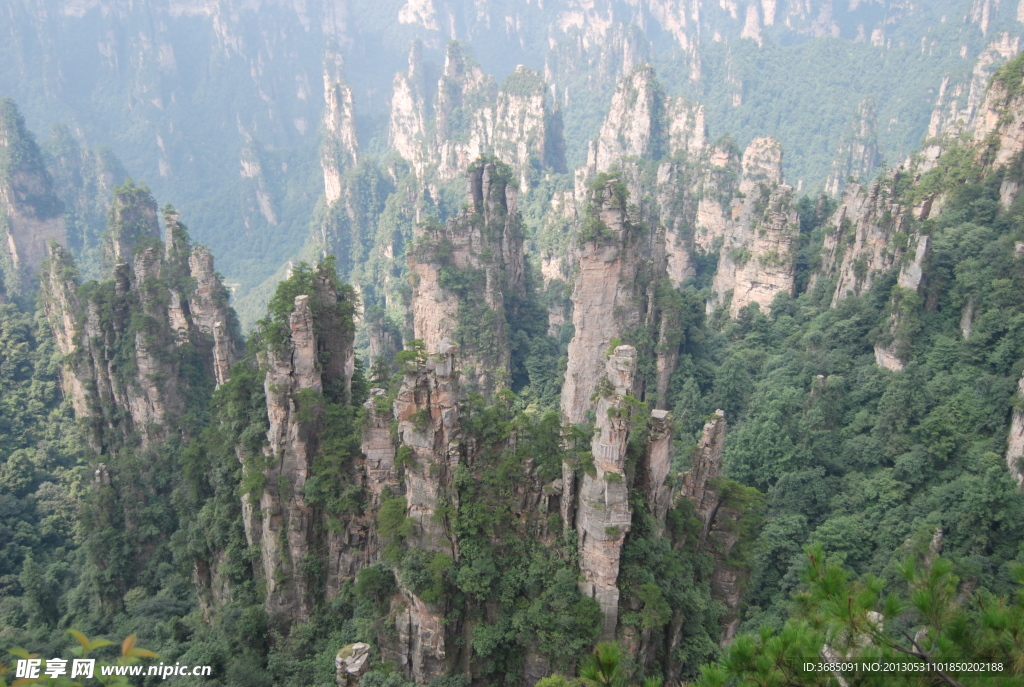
pixel 757 258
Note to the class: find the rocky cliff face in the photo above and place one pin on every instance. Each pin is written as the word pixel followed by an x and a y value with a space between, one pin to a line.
pixel 633 126
pixel 468 277
pixel 1015 442
pixel 707 199
pixel 892 350
pixel 526 133
pixel 758 254
pixel 285 519
pixel 132 217
pixel 870 233
pixel 408 123
pixel 999 131
pixel 657 464
pixel 341 146
pixel 420 647
pixel 427 411
pixel 30 212
pixel 604 516
pixel 958 102
pixel 607 295
pixel 464 114
pixel 211 315
pixel 699 484
pixel 61 306
pixel 379 449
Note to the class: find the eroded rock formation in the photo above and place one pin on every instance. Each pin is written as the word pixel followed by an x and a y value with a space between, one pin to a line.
pixel 142 311
pixel 858 154
pixel 999 133
pixel 607 296
pixel 657 465
pixel 468 276
pixel 427 411
pixel 308 361
pixel 758 256
pixel 633 126
pixel 286 520
pixel 472 116
pixel 341 146
pixel 1015 442
pixel 604 515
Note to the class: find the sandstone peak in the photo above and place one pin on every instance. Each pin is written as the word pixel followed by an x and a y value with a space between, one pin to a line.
pixel 632 127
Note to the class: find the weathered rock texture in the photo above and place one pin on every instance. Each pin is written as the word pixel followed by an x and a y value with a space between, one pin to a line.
pixel 604 516
pixel 61 306
pixel 657 464
pixel 132 217
pixel 873 230
pixel 379 449
pixel 211 314
pixel 1015 442
pixel 286 520
pixel 892 350
pixel 633 126
pixel 700 483
pixel 408 124
pixel 468 277
pixel 420 649
pixel 350 663
pixel 608 297
pixel 999 131
pixel 958 102
pixel 427 411
pixel 30 212
pixel 707 199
